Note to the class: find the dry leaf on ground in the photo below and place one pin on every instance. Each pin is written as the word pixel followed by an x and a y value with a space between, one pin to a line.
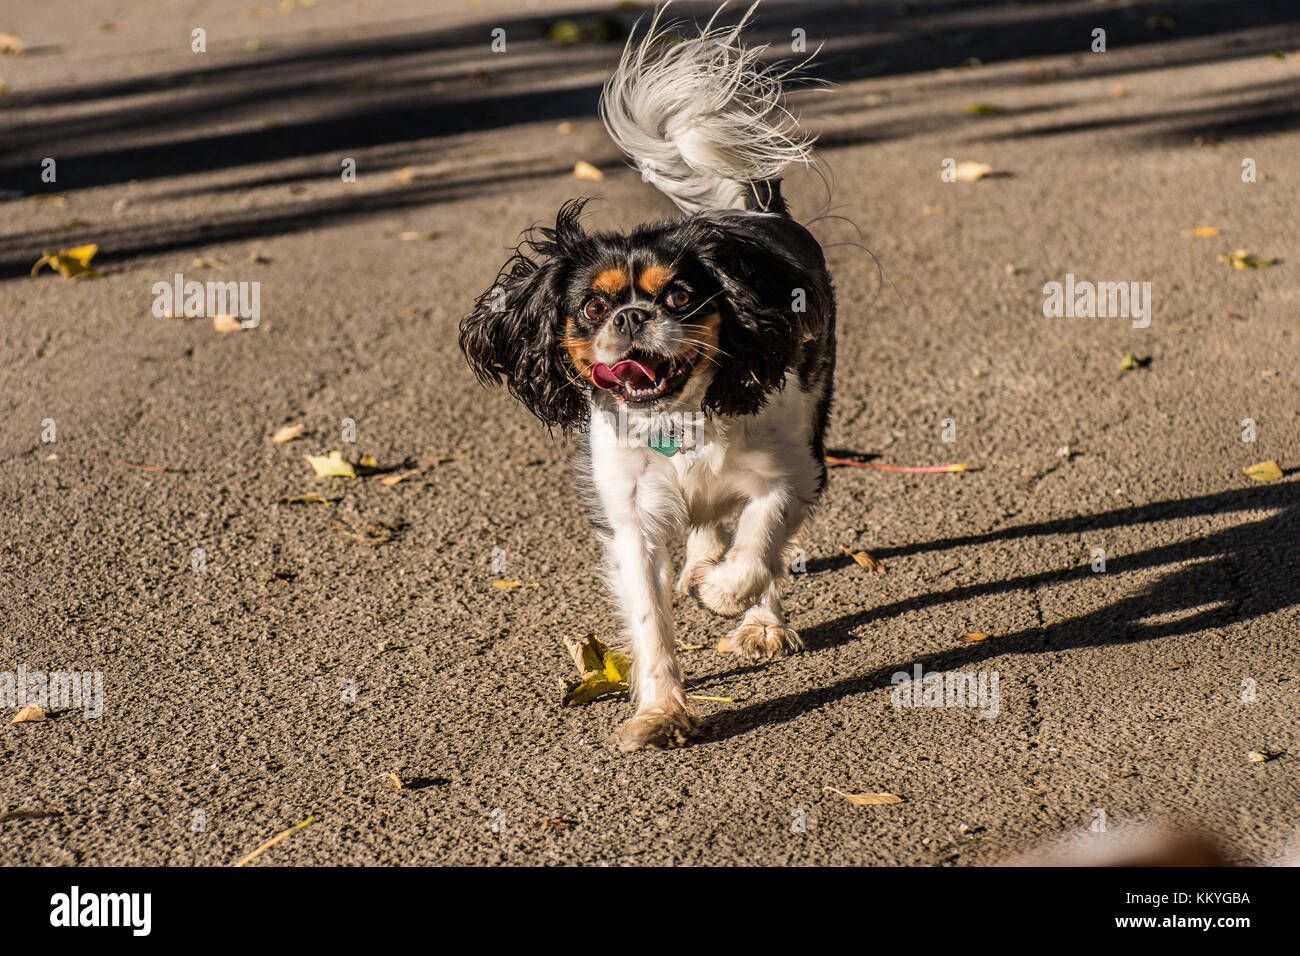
pixel 332 465
pixel 373 533
pixel 29 714
pixel 1130 362
pixel 1264 471
pixel 308 500
pixel 71 263
pixel 10 44
pixel 511 585
pixel 1245 259
pixel 868 799
pixel 21 814
pixel 226 323
pixel 973 637
pixel 286 433
pixel 865 560
pixel 969 171
pixel 603 671
pixel 584 170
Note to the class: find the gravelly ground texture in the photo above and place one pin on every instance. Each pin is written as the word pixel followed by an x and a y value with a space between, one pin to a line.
pixel 1136 692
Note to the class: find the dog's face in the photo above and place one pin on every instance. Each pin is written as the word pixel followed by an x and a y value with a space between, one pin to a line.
pixel 642 321
pixel 706 312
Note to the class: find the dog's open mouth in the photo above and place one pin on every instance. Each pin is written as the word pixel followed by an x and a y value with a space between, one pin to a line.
pixel 641 377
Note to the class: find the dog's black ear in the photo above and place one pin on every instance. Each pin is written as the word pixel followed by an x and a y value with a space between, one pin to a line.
pixel 776 297
pixel 514 333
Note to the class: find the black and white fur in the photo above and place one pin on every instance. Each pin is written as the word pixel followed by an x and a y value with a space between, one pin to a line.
pixel 708 123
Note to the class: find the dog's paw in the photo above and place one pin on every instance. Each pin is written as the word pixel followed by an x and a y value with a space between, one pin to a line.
pixel 761 641
pixel 729 588
pixel 686 580
pixel 658 730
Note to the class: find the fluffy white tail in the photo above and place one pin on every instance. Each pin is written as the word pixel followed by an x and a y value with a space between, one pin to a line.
pixel 702 118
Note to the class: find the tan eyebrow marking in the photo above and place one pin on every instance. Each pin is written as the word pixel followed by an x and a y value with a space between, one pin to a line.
pixel 611 281
pixel 653 278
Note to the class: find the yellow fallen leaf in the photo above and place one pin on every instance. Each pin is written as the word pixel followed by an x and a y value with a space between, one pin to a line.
pixel 584 170
pixel 286 433
pixel 10 44
pixel 587 653
pixel 1264 471
pixel 29 714
pixel 331 466
pixel 603 670
pixel 226 323
pixel 1206 231
pixel 508 585
pixel 71 263
pixel 868 799
pixel 974 637
pixel 983 109
pixel 1245 259
pixel 969 171
pixel 865 560
pixel 307 500
pixel 368 462
pixel 1263 756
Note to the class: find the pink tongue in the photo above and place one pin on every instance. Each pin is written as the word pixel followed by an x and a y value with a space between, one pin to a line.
pixel 627 372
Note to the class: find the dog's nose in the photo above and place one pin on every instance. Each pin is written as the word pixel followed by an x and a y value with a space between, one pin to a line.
pixel 628 320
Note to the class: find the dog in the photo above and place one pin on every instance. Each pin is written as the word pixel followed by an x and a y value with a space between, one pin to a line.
pixel 693 357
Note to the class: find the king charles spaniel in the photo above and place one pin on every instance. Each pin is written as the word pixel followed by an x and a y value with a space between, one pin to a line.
pixel 694 357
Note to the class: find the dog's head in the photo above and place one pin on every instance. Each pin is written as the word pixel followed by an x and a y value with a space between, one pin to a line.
pixel 706 312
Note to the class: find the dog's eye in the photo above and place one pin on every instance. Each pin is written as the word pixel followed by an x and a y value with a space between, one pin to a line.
pixel 677 298
pixel 595 309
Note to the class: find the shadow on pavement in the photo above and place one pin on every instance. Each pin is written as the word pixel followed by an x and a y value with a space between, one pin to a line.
pixel 400 92
pixel 1236 575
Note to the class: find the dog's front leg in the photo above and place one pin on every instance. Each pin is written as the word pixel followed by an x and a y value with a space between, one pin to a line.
pixel 733 584
pixel 640 574
pixel 642 510
pixel 747 580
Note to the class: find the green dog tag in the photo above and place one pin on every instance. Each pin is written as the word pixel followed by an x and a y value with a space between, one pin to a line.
pixel 665 444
